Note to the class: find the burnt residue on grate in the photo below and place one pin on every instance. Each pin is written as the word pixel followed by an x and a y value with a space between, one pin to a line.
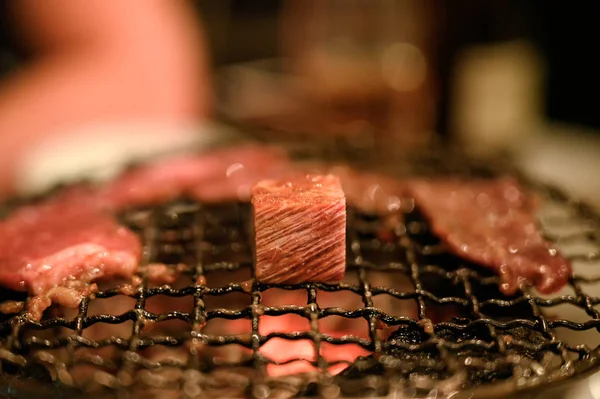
pixel 414 317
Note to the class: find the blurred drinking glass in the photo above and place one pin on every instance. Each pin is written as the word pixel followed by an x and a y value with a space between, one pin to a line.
pixel 366 64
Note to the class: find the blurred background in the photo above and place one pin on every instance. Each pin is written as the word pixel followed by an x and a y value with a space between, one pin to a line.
pixel 499 75
pixel 493 76
pixel 88 85
pixel 492 69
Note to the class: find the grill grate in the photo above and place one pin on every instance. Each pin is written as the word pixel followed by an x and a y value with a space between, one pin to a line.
pixel 186 338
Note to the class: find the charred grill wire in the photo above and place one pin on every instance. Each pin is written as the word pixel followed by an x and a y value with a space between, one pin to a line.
pixel 486 339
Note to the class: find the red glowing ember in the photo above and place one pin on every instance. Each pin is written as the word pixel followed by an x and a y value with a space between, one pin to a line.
pixel 295 356
pixel 283 350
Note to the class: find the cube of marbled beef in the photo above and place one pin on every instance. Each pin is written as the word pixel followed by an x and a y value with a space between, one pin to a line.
pixel 300 230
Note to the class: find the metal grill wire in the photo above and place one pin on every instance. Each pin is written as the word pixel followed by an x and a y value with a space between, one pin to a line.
pixel 494 338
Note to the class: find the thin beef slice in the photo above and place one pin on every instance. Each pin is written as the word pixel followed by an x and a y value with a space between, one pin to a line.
pixel 492 223
pixel 42 247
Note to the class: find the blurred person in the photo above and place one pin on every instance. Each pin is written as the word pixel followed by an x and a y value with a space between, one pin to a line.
pixel 96 61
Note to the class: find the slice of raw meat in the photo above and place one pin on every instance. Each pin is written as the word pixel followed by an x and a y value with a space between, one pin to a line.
pixel 369 192
pixel 492 223
pixel 235 180
pixel 157 182
pixel 42 247
pixel 219 175
pixel 300 230
pixel 81 197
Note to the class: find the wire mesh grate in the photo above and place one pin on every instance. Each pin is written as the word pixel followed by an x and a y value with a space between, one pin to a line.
pixel 414 318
